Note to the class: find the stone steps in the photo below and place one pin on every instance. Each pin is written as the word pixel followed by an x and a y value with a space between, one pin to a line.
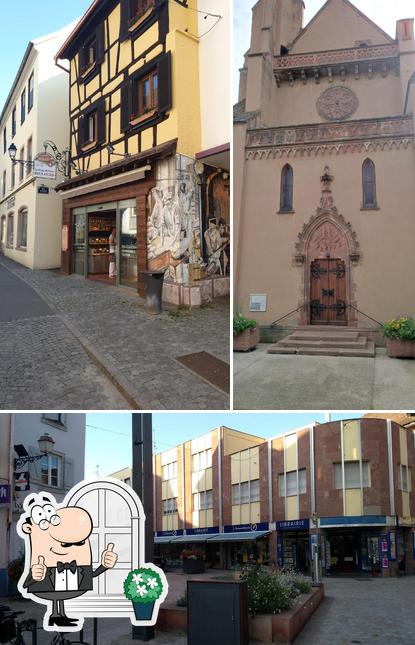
pixel 323 341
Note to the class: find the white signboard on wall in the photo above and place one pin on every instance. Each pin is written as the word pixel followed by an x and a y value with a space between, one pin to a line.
pixel 44 166
pixel 258 302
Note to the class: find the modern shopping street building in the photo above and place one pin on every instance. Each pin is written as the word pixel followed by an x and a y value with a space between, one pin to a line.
pixel 346 485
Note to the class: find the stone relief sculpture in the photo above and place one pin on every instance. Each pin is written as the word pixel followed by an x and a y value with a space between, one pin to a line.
pixel 174 226
pixel 217 241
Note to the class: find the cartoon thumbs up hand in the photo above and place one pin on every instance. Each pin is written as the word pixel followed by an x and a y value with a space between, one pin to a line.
pixel 108 557
pixel 39 569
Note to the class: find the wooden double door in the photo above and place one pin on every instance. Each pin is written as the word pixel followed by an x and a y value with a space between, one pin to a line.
pixel 328 292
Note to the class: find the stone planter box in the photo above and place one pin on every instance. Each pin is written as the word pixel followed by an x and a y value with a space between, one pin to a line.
pixel 246 340
pixel 193 566
pixel 400 348
pixel 265 628
pixel 283 628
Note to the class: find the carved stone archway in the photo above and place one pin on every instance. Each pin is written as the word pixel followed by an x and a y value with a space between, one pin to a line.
pixel 327 235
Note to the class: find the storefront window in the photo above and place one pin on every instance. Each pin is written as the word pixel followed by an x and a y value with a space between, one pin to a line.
pixel 79 215
pixel 128 243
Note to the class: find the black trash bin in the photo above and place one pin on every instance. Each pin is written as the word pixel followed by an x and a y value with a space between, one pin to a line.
pixel 153 285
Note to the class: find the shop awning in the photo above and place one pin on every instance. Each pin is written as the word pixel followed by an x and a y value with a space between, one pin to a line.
pixel 163 539
pixel 238 537
pixel 205 537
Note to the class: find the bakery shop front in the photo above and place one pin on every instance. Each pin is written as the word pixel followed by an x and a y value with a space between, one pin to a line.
pixel 105 211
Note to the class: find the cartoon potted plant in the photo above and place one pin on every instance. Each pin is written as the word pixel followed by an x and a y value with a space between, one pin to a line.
pixel 143 587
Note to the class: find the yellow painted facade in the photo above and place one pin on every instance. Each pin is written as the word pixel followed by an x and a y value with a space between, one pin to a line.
pixel 123 58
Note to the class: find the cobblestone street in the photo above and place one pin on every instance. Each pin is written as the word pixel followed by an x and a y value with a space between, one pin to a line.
pixel 42 364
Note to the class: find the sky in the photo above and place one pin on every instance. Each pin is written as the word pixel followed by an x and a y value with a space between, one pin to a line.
pixel 384 12
pixel 108 435
pixel 25 20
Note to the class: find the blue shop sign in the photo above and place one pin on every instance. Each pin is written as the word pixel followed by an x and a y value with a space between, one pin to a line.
pixel 293 525
pixel 203 531
pixel 169 533
pixel 240 528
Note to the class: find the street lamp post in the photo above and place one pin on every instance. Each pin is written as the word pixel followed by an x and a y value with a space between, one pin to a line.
pixel 63 159
pixel 142 480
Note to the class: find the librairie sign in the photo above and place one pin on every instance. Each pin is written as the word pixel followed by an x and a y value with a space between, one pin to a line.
pixel 44 166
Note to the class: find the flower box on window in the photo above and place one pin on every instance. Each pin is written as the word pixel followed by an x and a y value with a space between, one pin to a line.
pixel 139 18
pixel 135 120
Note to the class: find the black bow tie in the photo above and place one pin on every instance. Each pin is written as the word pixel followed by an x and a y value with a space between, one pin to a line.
pixel 64 566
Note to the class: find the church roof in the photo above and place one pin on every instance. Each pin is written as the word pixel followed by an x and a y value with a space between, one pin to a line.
pixel 338 25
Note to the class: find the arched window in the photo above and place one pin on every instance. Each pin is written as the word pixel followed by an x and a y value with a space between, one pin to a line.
pixel 369 184
pixel 286 201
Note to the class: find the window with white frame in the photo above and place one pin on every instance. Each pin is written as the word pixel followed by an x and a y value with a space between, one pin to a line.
pixel 291 479
pixel 51 470
pixel 405 478
pixel 56 419
pixel 352 475
pixel 202 501
pixel 10 230
pixel 202 460
pixel 170 506
pixel 22 228
pixel 245 492
pixel 170 471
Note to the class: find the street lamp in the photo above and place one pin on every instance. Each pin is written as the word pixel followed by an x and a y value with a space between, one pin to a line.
pixel 12 152
pixel 45 443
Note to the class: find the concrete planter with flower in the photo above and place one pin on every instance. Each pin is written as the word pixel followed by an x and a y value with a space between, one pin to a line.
pixel 245 333
pixel 400 337
pixel 144 587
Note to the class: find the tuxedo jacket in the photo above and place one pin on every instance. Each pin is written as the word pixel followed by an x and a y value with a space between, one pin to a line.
pixel 85 576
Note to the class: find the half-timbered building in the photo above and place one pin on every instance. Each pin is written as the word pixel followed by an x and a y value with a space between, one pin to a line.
pixel 136 197
pixel 324 169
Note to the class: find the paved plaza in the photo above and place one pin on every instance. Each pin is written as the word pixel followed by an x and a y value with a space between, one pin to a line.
pixel 361 610
pixel 293 382
pixel 71 343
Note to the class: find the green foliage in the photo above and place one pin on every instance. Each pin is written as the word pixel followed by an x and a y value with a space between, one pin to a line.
pixel 182 602
pixel 271 592
pixel 241 322
pixel 143 585
pixel 402 328
pixel 15 568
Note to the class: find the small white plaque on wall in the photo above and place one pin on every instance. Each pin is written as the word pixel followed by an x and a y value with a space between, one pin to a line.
pixel 258 302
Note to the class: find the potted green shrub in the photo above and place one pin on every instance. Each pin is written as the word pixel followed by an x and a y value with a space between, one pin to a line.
pixel 193 561
pixel 143 587
pixel 245 333
pixel 400 337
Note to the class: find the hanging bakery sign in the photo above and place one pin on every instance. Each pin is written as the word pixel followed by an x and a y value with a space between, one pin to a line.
pixel 44 166
pixel 85 556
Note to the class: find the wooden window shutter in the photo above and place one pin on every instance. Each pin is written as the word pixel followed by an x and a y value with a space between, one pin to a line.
pixel 164 82
pixel 81 131
pixel 82 59
pixel 125 18
pixel 100 44
pixel 125 105
pixel 101 122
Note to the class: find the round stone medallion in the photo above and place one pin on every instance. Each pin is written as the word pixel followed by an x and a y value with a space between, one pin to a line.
pixel 337 103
